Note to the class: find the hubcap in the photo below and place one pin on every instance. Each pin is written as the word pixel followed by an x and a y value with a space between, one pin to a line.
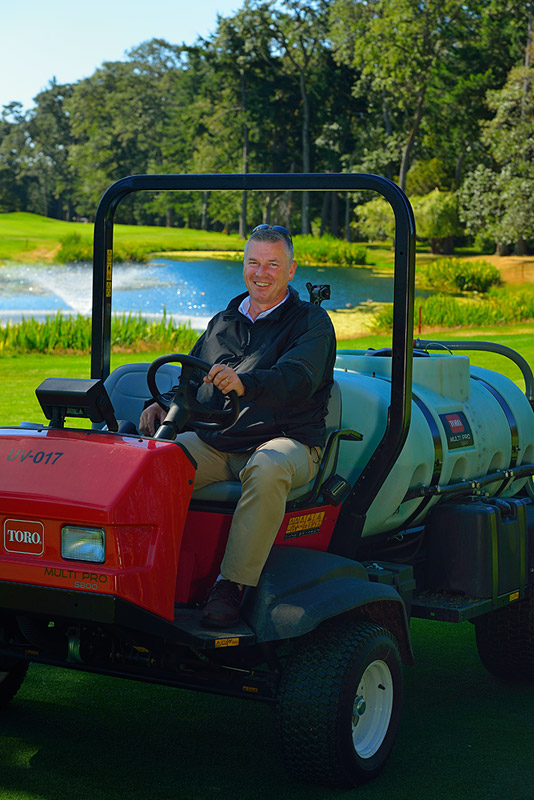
pixel 371 711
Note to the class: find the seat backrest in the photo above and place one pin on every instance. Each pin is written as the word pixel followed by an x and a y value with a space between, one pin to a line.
pixel 230 491
pixel 333 415
pixel 128 390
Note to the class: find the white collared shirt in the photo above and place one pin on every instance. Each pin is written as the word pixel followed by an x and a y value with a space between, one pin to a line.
pixel 245 307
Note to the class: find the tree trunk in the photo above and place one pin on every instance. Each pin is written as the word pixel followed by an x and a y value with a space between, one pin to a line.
pixel 267 209
pixel 305 222
pixel 204 212
pixel 502 249
pixel 348 235
pixel 520 248
pixel 389 131
pixel 324 212
pixel 44 193
pixel 459 169
pixel 407 153
pixel 334 223
pixel 443 246
pixel 286 204
pixel 243 215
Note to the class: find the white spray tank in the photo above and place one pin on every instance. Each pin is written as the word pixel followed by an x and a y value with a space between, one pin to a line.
pixel 466 422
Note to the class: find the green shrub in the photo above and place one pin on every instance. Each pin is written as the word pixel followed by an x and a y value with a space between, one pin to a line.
pixel 458 275
pixel 75 248
pixel 318 251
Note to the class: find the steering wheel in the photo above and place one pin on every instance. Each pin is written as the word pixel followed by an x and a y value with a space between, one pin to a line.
pixel 184 405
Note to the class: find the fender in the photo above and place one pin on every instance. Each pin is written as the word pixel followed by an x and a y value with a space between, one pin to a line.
pixel 299 589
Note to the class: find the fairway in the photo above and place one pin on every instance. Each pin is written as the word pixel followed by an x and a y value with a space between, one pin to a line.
pixel 31 238
pixel 20 375
pixel 71 736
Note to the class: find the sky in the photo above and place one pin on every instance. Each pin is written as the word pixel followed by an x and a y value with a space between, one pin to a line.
pixel 68 40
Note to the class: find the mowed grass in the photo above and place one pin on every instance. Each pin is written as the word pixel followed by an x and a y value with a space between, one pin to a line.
pixel 29 237
pixel 23 374
pixel 20 375
pixel 71 736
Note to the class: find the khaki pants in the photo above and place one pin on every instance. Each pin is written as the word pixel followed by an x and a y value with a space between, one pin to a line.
pixel 267 475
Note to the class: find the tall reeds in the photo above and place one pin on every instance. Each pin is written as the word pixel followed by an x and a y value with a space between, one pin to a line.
pixel 63 333
pixel 496 307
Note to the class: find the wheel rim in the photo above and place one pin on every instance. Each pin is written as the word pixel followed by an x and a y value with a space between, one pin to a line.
pixel 371 711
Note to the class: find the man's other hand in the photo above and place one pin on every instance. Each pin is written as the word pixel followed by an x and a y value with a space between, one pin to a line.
pixel 151 419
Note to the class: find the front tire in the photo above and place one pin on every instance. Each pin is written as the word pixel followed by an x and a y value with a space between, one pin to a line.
pixel 11 679
pixel 340 703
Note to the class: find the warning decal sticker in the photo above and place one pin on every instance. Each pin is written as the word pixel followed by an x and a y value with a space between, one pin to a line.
pixel 304 525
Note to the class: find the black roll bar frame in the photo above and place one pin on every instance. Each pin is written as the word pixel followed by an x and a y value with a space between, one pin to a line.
pixel 399 413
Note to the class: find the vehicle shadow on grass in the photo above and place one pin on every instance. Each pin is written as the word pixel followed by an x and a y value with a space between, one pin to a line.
pixel 71 735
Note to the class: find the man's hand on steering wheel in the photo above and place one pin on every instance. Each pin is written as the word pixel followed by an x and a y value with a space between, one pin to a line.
pixel 223 377
pixel 184 405
pixel 226 379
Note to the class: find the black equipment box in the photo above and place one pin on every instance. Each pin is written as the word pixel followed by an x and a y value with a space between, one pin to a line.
pixel 398 575
pixel 477 547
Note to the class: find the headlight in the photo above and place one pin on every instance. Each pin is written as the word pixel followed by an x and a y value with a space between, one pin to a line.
pixel 83 544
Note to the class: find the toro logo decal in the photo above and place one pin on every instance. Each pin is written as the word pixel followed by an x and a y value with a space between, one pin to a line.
pixel 457 430
pixel 455 423
pixel 24 536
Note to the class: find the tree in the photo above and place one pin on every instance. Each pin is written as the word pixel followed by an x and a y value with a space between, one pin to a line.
pixel 239 54
pixel 436 217
pixel 117 116
pixel 494 197
pixel 49 130
pixel 397 48
pixel 300 29
pixel 490 42
pixel 14 181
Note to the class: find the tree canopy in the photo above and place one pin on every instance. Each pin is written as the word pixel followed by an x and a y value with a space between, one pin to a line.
pixel 438 95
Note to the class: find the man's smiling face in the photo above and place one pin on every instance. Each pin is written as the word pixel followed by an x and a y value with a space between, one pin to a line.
pixel 267 270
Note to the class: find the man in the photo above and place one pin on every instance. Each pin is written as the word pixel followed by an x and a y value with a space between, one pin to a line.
pixel 277 353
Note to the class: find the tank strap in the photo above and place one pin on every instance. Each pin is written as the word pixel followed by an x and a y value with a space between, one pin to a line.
pixel 438 459
pixel 436 438
pixel 509 416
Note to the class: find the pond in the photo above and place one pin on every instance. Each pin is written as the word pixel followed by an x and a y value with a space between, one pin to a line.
pixel 188 290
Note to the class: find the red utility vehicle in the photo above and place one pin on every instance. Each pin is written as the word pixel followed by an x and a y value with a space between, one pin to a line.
pixel 422 507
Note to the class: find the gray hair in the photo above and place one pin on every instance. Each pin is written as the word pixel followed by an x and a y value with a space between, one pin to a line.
pixel 270 235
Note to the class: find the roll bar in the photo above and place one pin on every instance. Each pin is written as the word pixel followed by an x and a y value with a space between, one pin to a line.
pixel 379 466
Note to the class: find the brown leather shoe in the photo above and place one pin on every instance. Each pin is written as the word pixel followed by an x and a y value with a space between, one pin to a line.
pixel 222 607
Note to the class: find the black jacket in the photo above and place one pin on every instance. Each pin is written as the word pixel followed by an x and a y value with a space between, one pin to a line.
pixel 285 361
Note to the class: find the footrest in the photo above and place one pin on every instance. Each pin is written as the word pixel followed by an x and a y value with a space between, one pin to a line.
pixel 188 620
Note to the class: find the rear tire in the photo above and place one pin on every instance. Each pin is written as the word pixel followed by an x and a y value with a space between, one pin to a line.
pixel 505 640
pixel 340 703
pixel 10 681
